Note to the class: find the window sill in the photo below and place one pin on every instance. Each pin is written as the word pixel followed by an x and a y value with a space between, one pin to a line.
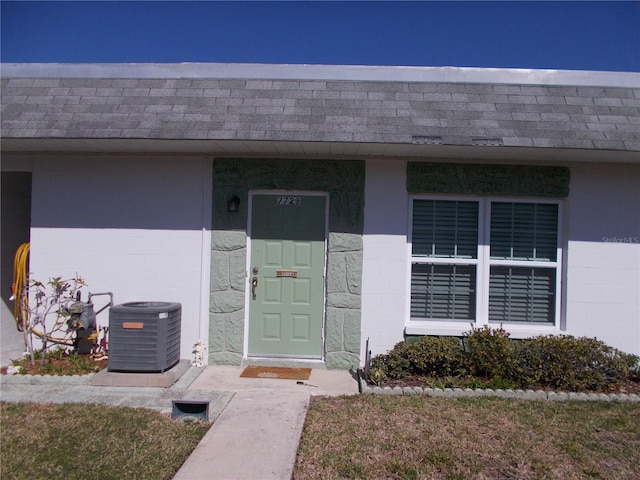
pixel 459 329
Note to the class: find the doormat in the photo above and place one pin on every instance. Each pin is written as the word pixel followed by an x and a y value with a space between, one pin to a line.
pixel 282 373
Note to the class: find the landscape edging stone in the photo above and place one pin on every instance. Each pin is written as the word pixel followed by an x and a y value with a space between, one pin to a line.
pixel 29 379
pixel 560 396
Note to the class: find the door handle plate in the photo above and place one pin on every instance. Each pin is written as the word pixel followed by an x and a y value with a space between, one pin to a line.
pixel 254 284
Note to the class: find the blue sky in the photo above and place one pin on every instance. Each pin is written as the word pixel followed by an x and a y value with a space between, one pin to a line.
pixel 516 34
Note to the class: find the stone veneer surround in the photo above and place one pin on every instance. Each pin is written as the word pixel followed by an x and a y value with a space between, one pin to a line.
pixel 344 181
pixel 481 179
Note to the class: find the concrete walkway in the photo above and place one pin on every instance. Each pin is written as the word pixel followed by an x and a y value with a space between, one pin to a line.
pixel 258 422
pixel 257 434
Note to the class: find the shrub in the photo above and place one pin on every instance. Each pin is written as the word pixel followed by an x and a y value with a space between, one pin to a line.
pixel 569 363
pixel 633 364
pixel 429 356
pixel 491 360
pixel 436 356
pixel 376 374
pixel 489 352
pixel 394 364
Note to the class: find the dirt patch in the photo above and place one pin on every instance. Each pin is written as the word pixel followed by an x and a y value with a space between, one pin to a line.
pixel 64 365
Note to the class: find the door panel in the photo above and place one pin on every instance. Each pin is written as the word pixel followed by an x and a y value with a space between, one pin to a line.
pixel 288 251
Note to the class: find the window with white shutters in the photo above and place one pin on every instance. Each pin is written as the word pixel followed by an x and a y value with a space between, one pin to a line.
pixel 523 262
pixel 485 261
pixel 445 255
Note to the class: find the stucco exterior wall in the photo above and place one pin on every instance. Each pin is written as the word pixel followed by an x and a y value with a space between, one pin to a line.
pixel 135 226
pixel 141 226
pixel 601 290
pixel 603 254
pixel 385 267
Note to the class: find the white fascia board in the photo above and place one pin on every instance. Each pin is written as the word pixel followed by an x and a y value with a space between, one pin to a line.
pixel 322 72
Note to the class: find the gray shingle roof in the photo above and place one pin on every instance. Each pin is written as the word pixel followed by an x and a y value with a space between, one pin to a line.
pixel 326 110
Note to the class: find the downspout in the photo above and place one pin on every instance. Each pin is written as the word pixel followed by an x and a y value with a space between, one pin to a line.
pixel 205 252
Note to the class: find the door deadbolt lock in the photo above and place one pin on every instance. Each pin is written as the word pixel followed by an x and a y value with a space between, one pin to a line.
pixel 255 270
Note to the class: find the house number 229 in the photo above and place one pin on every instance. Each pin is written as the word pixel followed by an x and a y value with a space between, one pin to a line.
pixel 288 200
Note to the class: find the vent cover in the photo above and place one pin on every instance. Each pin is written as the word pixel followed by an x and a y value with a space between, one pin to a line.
pixel 426 140
pixel 144 336
pixel 488 142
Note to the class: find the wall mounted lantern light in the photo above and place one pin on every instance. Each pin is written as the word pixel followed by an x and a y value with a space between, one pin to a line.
pixel 233 205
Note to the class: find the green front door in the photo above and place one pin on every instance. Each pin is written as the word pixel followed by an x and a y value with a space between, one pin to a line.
pixel 286 275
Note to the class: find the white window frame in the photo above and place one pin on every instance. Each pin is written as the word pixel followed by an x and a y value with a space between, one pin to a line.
pixel 483 264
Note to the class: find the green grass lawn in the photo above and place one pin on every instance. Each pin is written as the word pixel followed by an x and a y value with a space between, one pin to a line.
pixel 80 441
pixel 420 437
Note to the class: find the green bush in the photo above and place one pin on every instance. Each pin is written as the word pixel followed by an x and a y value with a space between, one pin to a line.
pixel 394 364
pixel 633 363
pixel 569 363
pixel 490 358
pixel 428 356
pixel 436 356
pixel 488 352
